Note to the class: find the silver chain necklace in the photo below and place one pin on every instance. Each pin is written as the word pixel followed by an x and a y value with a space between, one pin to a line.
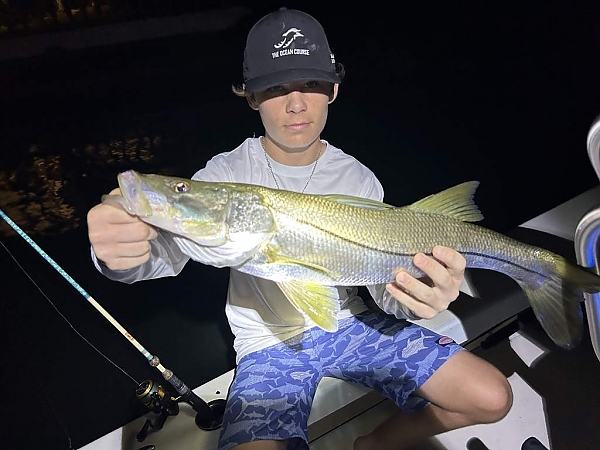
pixel 262 144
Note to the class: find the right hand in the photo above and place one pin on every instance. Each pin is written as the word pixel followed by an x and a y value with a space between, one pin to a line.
pixel 120 240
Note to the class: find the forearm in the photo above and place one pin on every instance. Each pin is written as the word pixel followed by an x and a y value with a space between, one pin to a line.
pixel 166 260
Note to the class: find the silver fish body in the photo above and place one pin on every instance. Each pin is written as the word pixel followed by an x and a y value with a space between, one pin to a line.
pixel 308 244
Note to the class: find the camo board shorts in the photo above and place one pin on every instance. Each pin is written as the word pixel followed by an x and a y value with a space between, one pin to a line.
pixel 273 389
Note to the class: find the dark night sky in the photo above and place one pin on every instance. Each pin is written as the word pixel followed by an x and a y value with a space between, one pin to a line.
pixel 433 96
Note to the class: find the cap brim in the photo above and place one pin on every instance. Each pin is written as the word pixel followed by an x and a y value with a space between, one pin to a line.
pixel 287 76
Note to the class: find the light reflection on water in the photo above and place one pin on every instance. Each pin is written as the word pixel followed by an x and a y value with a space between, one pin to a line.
pixel 43 194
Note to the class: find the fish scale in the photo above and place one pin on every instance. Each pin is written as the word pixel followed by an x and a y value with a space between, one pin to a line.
pixel 320 243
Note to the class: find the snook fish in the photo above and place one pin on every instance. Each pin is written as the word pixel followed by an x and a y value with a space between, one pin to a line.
pixel 308 244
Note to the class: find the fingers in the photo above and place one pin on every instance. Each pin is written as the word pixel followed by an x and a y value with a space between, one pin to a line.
pixel 126 256
pixel 415 295
pixel 119 239
pixel 123 247
pixel 445 271
pixel 119 228
pixel 110 215
pixel 455 262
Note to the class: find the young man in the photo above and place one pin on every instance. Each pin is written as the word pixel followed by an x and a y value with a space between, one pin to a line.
pixel 290 78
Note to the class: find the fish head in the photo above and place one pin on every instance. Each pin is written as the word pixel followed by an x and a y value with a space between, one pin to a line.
pixel 193 209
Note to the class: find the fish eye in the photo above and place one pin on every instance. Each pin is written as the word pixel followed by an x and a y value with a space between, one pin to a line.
pixel 181 186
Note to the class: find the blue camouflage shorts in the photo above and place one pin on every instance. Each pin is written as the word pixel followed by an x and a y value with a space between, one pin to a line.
pixel 273 389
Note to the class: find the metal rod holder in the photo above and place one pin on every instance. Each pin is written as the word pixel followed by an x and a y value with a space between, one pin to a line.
pixel 587 242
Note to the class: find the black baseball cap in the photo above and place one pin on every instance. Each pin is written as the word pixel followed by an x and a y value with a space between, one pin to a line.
pixel 287 45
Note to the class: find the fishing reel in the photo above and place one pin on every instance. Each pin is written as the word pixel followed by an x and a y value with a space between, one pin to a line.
pixel 156 398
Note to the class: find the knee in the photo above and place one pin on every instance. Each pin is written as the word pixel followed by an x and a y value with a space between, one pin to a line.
pixel 494 400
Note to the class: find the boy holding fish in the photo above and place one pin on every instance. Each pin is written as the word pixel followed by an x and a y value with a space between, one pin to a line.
pixel 291 78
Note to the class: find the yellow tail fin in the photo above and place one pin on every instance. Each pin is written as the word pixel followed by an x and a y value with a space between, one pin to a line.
pixel 557 302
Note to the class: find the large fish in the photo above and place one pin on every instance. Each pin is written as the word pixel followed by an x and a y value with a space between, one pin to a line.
pixel 308 244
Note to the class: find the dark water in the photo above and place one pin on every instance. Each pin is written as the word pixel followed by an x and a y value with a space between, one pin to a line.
pixel 432 98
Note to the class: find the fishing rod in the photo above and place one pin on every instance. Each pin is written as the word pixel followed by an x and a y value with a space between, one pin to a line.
pixel 209 415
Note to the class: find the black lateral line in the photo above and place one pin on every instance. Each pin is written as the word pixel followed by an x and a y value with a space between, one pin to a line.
pixel 392 253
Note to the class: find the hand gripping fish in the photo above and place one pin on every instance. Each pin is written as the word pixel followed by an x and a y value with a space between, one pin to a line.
pixel 308 244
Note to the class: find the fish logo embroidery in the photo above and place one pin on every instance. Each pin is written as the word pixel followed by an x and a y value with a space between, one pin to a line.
pixel 300 376
pixel 413 347
pixel 288 37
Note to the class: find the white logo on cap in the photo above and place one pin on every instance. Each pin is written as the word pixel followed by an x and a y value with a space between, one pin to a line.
pixel 287 39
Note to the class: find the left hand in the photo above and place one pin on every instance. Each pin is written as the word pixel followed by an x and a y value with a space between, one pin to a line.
pixel 446 270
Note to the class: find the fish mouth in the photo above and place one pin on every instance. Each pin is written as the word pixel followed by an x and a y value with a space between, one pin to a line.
pixel 134 191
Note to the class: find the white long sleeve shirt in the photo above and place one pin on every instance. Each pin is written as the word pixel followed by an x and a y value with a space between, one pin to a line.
pixel 259 314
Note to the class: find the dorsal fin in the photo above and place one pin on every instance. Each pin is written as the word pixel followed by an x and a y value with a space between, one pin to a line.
pixel 357 201
pixel 456 202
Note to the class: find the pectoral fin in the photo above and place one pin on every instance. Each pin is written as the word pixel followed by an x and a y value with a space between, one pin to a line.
pixel 293 266
pixel 320 303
